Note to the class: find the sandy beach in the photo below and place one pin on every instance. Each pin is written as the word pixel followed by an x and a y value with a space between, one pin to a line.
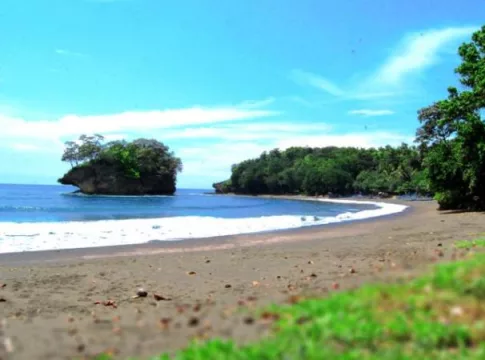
pixel 56 302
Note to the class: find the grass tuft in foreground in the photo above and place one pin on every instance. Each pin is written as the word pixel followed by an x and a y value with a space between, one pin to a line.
pixel 468 244
pixel 438 316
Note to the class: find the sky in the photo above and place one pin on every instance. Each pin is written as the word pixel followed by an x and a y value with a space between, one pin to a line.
pixel 219 81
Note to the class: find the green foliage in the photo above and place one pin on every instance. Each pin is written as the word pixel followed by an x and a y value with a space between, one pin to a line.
pixel 452 134
pixel 467 244
pixel 316 171
pixel 436 316
pixel 85 149
pixel 137 158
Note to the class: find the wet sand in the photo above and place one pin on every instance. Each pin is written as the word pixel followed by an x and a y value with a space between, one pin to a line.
pixel 55 301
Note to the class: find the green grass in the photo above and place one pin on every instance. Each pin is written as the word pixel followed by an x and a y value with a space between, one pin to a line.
pixel 468 244
pixel 437 316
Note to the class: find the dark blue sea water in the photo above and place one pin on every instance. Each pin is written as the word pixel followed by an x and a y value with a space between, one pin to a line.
pixel 53 203
pixel 35 217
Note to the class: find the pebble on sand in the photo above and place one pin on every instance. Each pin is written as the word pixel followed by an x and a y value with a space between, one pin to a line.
pixel 161 298
pixel 141 292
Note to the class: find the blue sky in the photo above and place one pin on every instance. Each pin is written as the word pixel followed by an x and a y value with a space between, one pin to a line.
pixel 219 81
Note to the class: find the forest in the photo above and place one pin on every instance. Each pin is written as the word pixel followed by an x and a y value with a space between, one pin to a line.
pixel 447 159
pixel 330 170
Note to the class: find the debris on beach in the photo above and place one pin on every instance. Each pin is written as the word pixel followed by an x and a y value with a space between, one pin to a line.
pixel 165 322
pixel 456 311
pixel 111 303
pixel 161 298
pixel 352 270
pixel 191 273
pixel 181 308
pixel 140 293
pixel 293 299
pixel 228 286
pixel 268 316
pixel 193 321
pixel 248 320
pixel 335 285
pixel 3 285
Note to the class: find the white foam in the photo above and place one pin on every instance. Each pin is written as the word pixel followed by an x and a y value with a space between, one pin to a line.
pixel 18 237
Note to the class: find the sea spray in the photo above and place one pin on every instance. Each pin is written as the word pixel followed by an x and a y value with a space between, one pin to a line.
pixel 17 237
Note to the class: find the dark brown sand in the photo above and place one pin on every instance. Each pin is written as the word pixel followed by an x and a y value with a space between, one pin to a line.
pixel 49 298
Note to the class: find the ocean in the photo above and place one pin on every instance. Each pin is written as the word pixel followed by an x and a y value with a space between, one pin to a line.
pixel 45 217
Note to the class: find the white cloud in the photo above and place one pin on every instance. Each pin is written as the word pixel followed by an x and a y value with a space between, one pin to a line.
pixel 371 112
pixel 64 52
pixel 247 131
pixel 360 140
pixel 418 51
pixel 251 104
pixel 414 53
pixel 23 147
pixel 48 132
pixel 216 158
pixel 321 83
pixel 307 78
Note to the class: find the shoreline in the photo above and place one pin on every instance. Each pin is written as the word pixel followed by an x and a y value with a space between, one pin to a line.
pixel 50 298
pixel 201 243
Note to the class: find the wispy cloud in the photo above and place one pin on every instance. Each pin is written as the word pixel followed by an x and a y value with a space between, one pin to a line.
pixel 251 104
pixel 23 147
pixel 258 131
pixel 317 81
pixel 371 112
pixel 65 52
pixel 41 133
pixel 360 140
pixel 338 93
pixel 216 158
pixel 418 51
pixel 415 53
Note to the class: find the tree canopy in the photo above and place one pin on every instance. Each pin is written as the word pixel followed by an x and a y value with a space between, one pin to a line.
pixel 136 159
pixel 320 171
pixel 452 134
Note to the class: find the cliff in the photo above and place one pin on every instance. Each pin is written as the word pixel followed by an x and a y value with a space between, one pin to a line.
pixel 140 167
pixel 108 179
pixel 223 187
